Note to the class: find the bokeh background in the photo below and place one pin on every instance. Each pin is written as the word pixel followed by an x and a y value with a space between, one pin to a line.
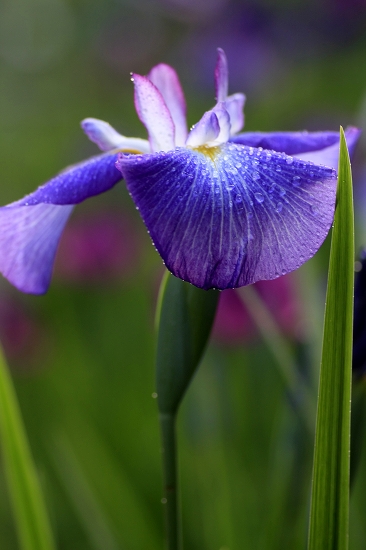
pixel 82 356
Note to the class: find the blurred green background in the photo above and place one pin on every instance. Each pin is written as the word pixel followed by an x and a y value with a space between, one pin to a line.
pixel 82 356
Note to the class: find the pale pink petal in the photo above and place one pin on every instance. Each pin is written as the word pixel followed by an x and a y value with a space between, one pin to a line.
pixel 154 114
pixel 167 82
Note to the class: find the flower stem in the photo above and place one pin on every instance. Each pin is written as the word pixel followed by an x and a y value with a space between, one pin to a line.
pixel 170 481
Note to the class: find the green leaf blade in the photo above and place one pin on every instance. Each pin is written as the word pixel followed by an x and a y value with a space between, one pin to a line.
pixel 34 531
pixel 329 512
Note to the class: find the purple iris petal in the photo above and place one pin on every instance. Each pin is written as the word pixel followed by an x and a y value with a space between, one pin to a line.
pixel 221 76
pixel 31 227
pixel 154 114
pixel 234 105
pixel 77 183
pixel 291 143
pixel 167 82
pixel 228 216
pixel 329 155
pixel 29 239
pixel 101 133
pixel 207 129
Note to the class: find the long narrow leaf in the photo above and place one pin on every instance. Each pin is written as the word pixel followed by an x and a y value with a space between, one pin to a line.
pixel 329 514
pixel 31 520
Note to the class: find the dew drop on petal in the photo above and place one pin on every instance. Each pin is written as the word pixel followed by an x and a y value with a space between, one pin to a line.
pixel 279 207
pixel 296 181
pixel 314 210
pixel 289 160
pixel 259 197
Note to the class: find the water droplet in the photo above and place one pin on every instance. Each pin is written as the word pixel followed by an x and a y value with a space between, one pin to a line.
pixel 284 272
pixel 278 168
pixel 256 176
pixel 154 395
pixel 238 198
pixel 282 192
pixel 259 197
pixel 279 207
pixel 164 500
pixel 289 160
pixel 296 181
pixel 238 164
pixel 314 210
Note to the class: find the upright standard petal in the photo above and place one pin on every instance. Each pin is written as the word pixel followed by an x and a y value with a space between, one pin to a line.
pixel 154 114
pixel 107 138
pixel 29 240
pixel 229 216
pixel 167 82
pixel 221 76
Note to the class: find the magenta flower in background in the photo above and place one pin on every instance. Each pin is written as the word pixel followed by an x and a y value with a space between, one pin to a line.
pixel 223 209
pixel 233 323
pixel 20 333
pixel 98 247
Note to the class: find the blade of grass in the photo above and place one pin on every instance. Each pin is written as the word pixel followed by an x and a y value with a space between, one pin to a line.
pixel 329 510
pixel 30 514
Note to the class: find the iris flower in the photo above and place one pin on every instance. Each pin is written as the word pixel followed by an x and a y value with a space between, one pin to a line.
pixel 223 209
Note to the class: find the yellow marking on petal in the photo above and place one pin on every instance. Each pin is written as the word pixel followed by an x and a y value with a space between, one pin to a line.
pixel 210 152
pixel 132 151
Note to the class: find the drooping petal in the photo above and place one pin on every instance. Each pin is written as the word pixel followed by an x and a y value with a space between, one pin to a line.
pixel 229 216
pixel 207 129
pixel 291 143
pixel 154 114
pixel 77 183
pixel 167 82
pixel 329 155
pixel 234 105
pixel 107 138
pixel 28 244
pixel 221 76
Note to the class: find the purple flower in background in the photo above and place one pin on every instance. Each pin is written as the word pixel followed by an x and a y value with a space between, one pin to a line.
pixel 223 209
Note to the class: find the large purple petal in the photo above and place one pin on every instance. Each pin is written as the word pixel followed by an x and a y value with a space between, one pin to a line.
pixel 229 216
pixel 77 183
pixel 291 143
pixel 167 82
pixel 29 239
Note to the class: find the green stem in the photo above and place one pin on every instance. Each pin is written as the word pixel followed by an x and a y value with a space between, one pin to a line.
pixel 170 480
